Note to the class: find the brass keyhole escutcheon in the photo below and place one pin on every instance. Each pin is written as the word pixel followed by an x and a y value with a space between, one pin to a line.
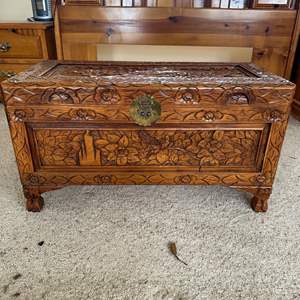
pixel 145 110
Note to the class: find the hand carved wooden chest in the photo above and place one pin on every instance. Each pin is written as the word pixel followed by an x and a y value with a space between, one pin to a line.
pixel 147 123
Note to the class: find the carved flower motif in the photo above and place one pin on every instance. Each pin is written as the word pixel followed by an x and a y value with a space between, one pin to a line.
pixel 60 96
pixel 211 153
pixel 84 114
pixel 185 179
pixel 275 116
pixel 107 95
pixel 238 96
pixel 187 96
pixel 60 148
pixel 222 147
pixel 33 179
pixel 118 150
pixel 105 179
pixel 19 115
pixel 209 116
pixel 260 179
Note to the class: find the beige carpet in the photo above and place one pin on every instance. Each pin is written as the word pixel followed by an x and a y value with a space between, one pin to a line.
pixel 111 242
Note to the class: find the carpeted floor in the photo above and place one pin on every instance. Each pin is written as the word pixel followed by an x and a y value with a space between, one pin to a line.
pixel 111 242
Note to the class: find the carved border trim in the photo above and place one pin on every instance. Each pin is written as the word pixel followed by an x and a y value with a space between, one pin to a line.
pixel 174 114
pixel 272 156
pixel 62 179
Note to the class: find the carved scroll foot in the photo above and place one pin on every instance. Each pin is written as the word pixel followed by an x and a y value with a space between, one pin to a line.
pixel 259 201
pixel 34 201
pixel 35 204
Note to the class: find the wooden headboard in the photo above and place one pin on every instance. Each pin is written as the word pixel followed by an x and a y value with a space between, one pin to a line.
pixel 273 34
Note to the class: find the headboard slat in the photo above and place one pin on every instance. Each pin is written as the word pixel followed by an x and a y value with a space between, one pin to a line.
pixel 268 32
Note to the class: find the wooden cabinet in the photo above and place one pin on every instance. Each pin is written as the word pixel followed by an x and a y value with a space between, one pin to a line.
pixel 16 45
pixel 24 44
pixel 147 123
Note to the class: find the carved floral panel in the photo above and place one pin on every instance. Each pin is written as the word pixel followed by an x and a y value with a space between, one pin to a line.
pixel 60 147
pixel 145 72
pixel 106 94
pixel 115 147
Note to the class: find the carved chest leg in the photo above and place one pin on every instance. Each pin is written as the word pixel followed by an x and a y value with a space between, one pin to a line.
pixel 34 201
pixel 259 201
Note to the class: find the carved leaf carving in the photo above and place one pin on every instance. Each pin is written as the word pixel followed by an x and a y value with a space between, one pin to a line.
pixel 21 146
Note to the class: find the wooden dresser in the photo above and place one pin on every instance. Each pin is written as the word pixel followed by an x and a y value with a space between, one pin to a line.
pixel 76 123
pixel 24 44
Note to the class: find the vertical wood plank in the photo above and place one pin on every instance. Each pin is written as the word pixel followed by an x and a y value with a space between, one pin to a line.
pixel 293 47
pixel 58 35
pixel 77 51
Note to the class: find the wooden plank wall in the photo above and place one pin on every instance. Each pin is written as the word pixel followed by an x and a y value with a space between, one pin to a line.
pixel 268 32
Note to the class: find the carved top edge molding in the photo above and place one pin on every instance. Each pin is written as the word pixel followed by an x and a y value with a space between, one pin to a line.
pixel 107 95
pixel 52 73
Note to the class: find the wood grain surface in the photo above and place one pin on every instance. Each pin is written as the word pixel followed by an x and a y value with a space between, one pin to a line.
pixel 269 32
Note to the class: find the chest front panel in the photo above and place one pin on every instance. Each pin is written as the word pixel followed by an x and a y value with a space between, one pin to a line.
pixel 214 124
pixel 194 148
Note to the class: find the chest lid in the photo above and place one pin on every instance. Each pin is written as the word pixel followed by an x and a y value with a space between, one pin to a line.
pixel 198 80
